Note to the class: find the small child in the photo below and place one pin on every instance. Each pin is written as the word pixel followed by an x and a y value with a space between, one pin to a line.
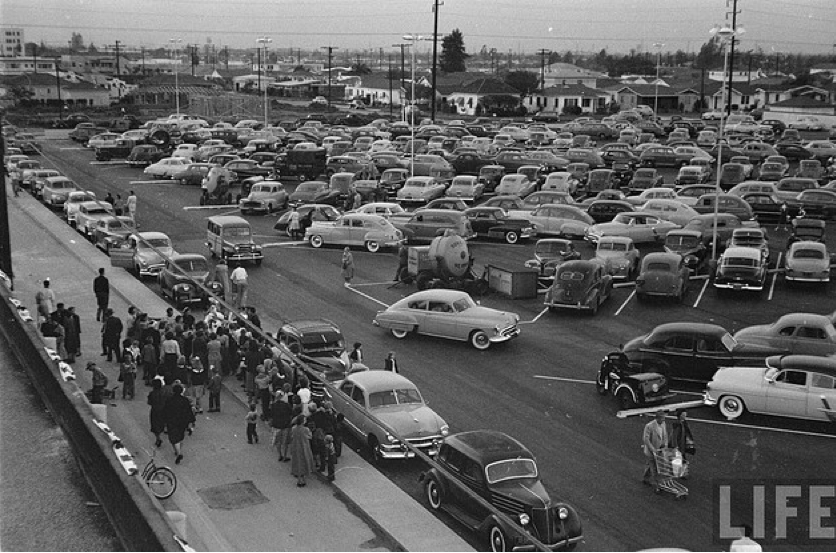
pixel 330 455
pixel 252 421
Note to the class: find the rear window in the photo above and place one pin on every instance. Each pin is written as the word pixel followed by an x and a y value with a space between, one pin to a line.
pixel 656 266
pixel 809 254
pixel 739 262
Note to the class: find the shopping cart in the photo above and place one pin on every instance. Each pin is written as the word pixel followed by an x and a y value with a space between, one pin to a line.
pixel 671 466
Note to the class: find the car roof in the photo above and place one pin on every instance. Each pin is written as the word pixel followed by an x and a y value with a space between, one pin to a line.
pixel 804 318
pixel 228 219
pixel 825 365
pixel 186 256
pixel 615 240
pixel 151 235
pixel 309 325
pixel 488 446
pixel 375 381
pixel 673 258
pixel 742 251
pixel 808 244
pixel 436 294
pixel 689 328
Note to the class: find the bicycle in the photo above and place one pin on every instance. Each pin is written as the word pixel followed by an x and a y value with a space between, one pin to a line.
pixel 160 480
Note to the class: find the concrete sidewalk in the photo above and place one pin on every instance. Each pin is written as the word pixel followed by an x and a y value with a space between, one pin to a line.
pixel 237 497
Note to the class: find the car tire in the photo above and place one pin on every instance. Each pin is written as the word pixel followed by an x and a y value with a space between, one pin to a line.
pixel 496 538
pixel 511 237
pixel 373 246
pixel 593 310
pixel 399 334
pixel 374 445
pixel 269 209
pixel 479 340
pixel 731 407
pixel 316 241
pixel 435 497
pixel 625 399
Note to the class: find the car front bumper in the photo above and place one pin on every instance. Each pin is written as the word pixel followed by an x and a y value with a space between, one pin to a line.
pixel 505 334
pixel 150 270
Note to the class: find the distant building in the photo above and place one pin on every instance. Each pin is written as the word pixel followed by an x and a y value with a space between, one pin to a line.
pixel 480 95
pixel 376 90
pixel 19 65
pixel 555 99
pixel 12 41
pixel 43 90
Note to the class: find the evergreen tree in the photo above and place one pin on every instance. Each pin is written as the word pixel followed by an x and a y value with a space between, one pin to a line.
pixel 453 54
pixel 525 82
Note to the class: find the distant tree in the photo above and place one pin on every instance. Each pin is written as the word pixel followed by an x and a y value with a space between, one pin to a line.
pixel 92 48
pixel 525 82
pixel 299 68
pixel 30 49
pixel 568 57
pixel 710 54
pixel 22 95
pixel 554 57
pixel 680 58
pixel 483 52
pixel 77 41
pixel 248 87
pixel 360 68
pixel 453 55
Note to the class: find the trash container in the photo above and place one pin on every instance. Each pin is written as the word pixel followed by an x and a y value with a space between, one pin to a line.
pixel 516 283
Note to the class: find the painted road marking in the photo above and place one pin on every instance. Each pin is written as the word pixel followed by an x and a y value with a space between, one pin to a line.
pixel 774 277
pixel 198 207
pixel 111 162
pixel 368 297
pixel 156 181
pixel 707 421
pixel 702 292
pixel 623 305
pixel 535 319
pixel 73 148
pixel 386 283
pixel 280 244
pixel 624 285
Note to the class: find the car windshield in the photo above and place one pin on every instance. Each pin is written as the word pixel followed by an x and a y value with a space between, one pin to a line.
pixel 308 186
pixel 402 396
pixel 416 184
pixel 573 276
pixel 237 231
pixel 148 243
pixel 510 469
pixel 808 254
pixel 551 248
pixel 612 247
pixel 193 265
pixel 115 225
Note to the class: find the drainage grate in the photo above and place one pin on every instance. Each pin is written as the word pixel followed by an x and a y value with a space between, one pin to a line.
pixel 237 495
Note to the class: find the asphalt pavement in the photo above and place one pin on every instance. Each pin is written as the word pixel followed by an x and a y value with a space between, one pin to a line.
pixel 237 497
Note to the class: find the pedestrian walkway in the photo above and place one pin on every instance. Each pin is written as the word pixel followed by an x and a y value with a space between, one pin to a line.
pixel 237 497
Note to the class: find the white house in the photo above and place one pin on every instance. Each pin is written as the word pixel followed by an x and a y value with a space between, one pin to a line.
pixel 376 90
pixel 555 99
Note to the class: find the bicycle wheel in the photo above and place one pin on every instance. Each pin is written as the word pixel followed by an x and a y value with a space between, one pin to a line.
pixel 162 482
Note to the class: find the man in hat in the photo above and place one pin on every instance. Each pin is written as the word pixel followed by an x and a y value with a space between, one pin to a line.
pixel 111 333
pixel 390 363
pixel 654 438
pixel 99 383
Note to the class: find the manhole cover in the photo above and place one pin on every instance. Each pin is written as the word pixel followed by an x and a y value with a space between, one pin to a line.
pixel 232 496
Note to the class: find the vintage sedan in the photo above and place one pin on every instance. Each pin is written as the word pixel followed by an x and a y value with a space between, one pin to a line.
pixel 619 255
pixel 816 204
pixel 811 230
pixel 265 197
pixel 181 276
pixel 807 262
pixel 384 209
pixel 448 314
pixel 318 212
pixel 73 201
pixel 797 386
pixel 692 351
pixel 355 229
pixel 663 274
pixel 111 232
pixel 688 244
pixel 741 269
pixel 494 222
pixel 670 210
pixel 772 171
pixel 560 220
pixel 645 178
pixel 55 191
pixel 660 156
pixel 581 285
pixel 640 227
pixel 747 237
pixel 797 333
pixel 381 408
pixel 166 168
pixel 144 253
pixel 499 470
pixel 420 190
pixel 550 253
pixel 466 187
pixel 192 174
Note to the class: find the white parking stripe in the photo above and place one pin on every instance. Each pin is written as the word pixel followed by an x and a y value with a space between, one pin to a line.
pixel 385 283
pixel 623 305
pixel 281 244
pixel 156 181
pixel 562 379
pixel 535 319
pixel 774 277
pixel 198 207
pixel 702 292
pixel 368 297
pixel 112 162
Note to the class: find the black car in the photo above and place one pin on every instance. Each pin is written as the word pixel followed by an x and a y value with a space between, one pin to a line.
pixel 767 207
pixel 793 152
pixel 689 244
pixel 145 155
pixel 468 163
pixel 816 204
pixel 604 211
pixel 493 222
pixel 692 351
pixel 246 168
pixel 321 345
pixel 499 470
pixel 622 156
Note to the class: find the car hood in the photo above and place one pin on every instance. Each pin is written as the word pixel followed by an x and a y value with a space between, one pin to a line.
pixel 611 256
pixel 683 250
pixel 757 351
pixel 410 421
pixel 151 256
pixel 197 276
pixel 528 491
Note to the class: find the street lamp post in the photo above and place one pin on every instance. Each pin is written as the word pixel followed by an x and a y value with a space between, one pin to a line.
pixel 412 103
pixel 725 34
pixel 658 46
pixel 264 41
pixel 175 42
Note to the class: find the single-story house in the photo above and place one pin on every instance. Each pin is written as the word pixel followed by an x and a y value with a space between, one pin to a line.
pixel 482 94
pixel 43 89
pixel 555 99
pixel 377 90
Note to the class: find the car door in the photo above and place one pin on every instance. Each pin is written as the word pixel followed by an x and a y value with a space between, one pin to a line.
pixel 441 319
pixel 354 408
pixel 124 257
pixel 821 401
pixel 710 355
pixel 678 352
pixel 811 339
pixel 787 394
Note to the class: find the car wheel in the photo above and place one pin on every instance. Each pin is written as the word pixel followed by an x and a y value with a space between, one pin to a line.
pixel 496 537
pixel 434 495
pixel 593 310
pixel 731 407
pixel 373 246
pixel 625 399
pixel 479 340
pixel 512 237
pixel 269 209
pixel 399 334
pixel 374 445
pixel 316 241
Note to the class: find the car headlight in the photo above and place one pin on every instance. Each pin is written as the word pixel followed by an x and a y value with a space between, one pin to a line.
pixel 524 519
pixel 563 513
pixel 390 438
pixel 655 387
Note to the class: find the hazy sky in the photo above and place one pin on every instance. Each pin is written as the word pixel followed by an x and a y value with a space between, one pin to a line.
pixel 518 25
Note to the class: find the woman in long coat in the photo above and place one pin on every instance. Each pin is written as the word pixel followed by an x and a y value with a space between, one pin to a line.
pixel 178 417
pixel 301 457
pixel 347 266
pixel 156 399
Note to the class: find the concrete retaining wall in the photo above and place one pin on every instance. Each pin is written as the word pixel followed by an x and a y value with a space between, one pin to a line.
pixel 137 517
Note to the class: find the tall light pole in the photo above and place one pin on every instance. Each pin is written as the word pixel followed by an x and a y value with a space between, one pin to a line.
pixel 412 102
pixel 175 44
pixel 658 46
pixel 725 34
pixel 264 41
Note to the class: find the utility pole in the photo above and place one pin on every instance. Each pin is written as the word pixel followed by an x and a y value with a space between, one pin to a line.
pixel 142 49
pixel 435 53
pixel 35 57
pixel 58 88
pixel 258 66
pixel 749 73
pixel 193 55
pixel 330 52
pixel 391 100
pixel 226 58
pixel 542 52
pixel 118 74
pixel 734 13
pixel 402 46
